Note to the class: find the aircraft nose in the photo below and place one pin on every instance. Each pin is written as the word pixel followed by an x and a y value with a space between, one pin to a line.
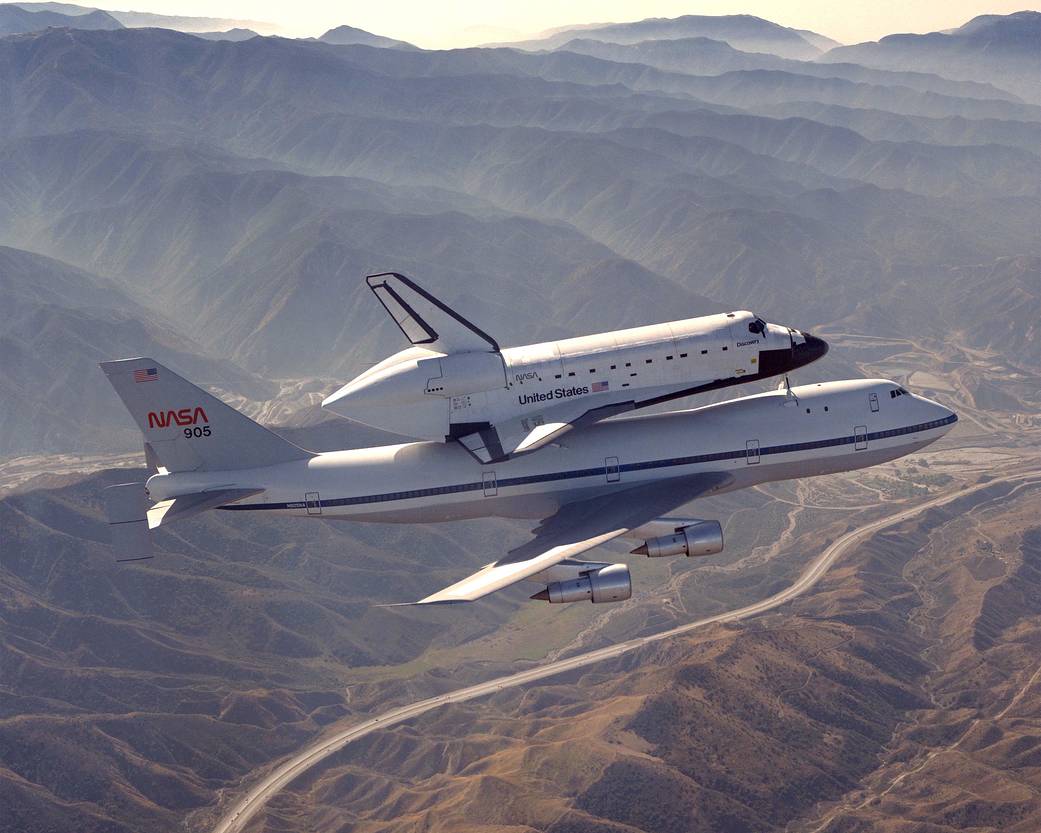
pixel 942 416
pixel 946 415
pixel 808 350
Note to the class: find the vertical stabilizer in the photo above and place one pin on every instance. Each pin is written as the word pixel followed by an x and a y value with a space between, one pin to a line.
pixel 187 428
pixel 425 320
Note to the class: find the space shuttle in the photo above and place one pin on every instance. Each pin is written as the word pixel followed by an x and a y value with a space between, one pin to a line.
pixel 455 383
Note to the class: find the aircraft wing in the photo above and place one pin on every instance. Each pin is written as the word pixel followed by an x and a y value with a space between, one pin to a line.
pixel 577 527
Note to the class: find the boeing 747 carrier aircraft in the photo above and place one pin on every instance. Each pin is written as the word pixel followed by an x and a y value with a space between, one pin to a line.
pixel 456 383
pixel 619 478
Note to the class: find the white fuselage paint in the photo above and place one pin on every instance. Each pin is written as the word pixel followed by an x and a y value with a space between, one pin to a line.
pixel 817 429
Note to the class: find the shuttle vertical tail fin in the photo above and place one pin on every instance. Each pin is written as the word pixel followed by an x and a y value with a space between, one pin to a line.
pixel 425 320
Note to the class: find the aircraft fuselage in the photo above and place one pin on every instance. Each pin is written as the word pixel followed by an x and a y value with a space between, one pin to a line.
pixel 815 429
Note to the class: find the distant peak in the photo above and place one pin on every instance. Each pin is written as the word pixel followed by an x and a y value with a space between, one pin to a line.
pixel 351 36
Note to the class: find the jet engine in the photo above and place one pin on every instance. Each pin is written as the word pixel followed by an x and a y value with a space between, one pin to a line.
pixel 606 584
pixel 702 538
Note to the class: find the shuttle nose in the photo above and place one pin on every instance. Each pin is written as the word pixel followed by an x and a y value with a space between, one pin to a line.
pixel 807 348
pixel 799 349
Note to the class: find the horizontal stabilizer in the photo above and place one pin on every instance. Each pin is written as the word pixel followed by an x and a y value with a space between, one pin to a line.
pixel 424 319
pixel 185 506
pixel 126 506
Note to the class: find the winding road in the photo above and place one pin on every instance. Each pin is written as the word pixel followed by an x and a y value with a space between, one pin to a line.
pixel 246 807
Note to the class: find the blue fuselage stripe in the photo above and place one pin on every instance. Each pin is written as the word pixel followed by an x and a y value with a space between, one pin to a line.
pixel 598 471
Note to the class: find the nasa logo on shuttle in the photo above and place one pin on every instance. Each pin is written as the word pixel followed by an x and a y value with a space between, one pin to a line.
pixel 556 393
pixel 180 417
pixel 527 376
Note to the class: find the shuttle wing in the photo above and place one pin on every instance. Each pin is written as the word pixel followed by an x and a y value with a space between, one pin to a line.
pixel 517 436
pixel 576 528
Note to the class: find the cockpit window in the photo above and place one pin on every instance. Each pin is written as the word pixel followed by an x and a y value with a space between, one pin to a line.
pixel 758 326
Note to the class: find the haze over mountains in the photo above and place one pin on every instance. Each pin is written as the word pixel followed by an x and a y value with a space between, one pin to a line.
pixel 994 47
pixel 744 32
pixel 80 17
pixel 548 173
pixel 214 200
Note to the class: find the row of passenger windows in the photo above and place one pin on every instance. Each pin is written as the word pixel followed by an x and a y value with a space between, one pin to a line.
pixel 630 364
pixel 638 466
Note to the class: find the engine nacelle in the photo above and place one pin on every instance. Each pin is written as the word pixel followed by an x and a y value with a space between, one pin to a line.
pixel 703 538
pixel 607 584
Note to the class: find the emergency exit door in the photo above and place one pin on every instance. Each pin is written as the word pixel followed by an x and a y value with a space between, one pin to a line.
pixel 859 437
pixel 611 469
pixel 752 452
pixel 491 485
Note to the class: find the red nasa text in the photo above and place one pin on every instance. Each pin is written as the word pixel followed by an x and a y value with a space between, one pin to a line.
pixel 180 417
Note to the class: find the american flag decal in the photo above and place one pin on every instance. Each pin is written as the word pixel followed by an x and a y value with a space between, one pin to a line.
pixel 148 374
pixel 600 387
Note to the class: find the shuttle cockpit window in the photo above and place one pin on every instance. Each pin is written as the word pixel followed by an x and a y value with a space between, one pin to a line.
pixel 758 326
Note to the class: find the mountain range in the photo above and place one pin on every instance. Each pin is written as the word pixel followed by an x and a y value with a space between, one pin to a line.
pixel 745 32
pixel 356 158
pixel 214 199
pixel 74 16
pixel 1001 49
pixel 16 20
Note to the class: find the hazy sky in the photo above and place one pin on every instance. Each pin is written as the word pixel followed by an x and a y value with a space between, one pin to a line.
pixel 467 22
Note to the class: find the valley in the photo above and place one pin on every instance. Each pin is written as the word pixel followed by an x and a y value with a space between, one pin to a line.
pixel 176 187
